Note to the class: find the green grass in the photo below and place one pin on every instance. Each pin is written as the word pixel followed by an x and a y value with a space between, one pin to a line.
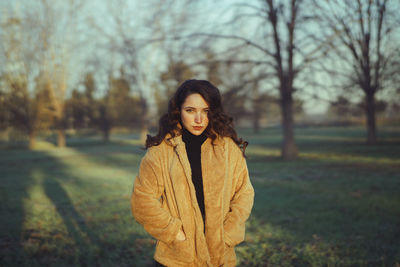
pixel 338 204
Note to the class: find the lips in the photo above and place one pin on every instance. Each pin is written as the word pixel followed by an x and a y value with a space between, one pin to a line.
pixel 197 128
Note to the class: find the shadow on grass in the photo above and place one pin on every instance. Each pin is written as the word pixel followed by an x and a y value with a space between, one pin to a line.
pixel 43 225
pixel 116 154
pixel 75 224
pixel 14 185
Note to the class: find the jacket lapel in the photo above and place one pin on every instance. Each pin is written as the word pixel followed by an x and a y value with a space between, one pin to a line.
pixel 214 178
pixel 180 150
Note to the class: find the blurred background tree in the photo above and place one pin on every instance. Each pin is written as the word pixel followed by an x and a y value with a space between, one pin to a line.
pixel 177 72
pixel 36 45
pixel 28 113
pixel 4 114
pixel 125 106
pixel 363 37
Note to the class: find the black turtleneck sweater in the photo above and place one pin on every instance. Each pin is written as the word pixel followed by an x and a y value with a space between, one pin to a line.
pixel 193 149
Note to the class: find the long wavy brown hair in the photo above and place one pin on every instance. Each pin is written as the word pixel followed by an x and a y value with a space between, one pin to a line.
pixel 220 124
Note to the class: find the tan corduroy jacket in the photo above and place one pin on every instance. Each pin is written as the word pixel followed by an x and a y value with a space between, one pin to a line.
pixel 164 201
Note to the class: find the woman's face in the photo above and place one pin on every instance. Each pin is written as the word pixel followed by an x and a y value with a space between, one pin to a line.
pixel 194 114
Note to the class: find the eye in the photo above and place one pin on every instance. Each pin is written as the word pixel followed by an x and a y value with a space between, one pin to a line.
pixel 189 110
pixel 206 111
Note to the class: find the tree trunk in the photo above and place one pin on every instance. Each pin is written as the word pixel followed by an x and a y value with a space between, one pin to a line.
pixel 145 123
pixel 32 140
pixel 61 140
pixel 289 148
pixel 371 122
pixel 106 135
pixel 256 121
pixel 143 133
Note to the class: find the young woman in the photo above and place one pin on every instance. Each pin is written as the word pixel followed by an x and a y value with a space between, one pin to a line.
pixel 193 193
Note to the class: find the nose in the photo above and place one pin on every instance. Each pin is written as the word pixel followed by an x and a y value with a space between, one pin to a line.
pixel 198 118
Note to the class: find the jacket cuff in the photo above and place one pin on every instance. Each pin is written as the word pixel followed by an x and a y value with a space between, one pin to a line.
pixel 227 237
pixel 228 241
pixel 233 232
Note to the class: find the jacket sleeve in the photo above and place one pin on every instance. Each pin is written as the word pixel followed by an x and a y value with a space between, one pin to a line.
pixel 241 203
pixel 145 201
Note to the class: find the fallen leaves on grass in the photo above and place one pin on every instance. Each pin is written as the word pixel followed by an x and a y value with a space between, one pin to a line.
pixel 58 236
pixel 356 194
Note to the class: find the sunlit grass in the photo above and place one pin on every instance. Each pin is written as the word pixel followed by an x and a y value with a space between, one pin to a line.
pixel 44 146
pixel 261 151
pixel 346 158
pixel 330 138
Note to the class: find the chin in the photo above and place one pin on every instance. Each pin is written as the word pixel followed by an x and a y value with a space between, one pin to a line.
pixel 196 132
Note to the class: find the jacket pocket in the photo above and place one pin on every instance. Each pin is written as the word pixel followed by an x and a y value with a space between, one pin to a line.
pixel 234 234
pixel 177 250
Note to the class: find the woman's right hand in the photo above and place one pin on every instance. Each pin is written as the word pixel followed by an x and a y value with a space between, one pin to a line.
pixel 180 236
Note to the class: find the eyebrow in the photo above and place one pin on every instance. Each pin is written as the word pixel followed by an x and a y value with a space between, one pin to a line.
pixel 196 108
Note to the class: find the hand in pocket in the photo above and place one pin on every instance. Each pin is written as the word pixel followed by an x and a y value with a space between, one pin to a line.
pixel 180 235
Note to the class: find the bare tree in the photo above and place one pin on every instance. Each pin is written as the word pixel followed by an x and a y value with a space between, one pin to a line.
pixel 38 46
pixel 57 45
pixel 4 113
pixel 176 73
pixel 135 38
pixel 28 112
pixel 281 50
pixel 121 40
pixel 364 36
pixel 25 106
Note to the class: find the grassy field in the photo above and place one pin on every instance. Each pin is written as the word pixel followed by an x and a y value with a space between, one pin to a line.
pixel 337 205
